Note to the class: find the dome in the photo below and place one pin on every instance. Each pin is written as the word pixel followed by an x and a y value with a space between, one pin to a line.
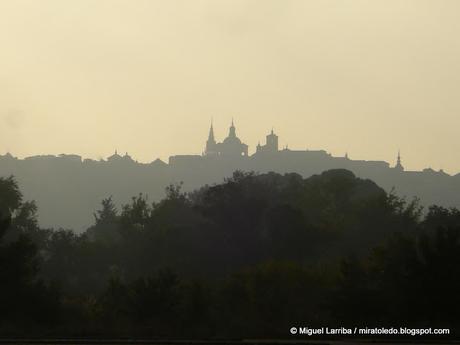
pixel 232 140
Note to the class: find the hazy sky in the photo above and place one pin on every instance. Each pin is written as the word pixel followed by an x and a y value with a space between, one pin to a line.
pixel 146 76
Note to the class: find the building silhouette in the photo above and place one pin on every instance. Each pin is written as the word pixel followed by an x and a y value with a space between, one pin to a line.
pixel 68 182
pixel 231 146
pixel 398 165
pixel 211 145
pixel 271 144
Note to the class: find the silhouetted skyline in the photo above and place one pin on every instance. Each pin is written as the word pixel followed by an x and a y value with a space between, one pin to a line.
pixel 230 171
pixel 50 180
pixel 367 78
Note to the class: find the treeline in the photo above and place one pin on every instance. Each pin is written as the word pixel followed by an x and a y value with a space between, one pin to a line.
pixel 250 257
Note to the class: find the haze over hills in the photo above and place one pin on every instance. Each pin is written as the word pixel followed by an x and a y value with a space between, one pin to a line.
pixel 367 77
pixel 68 189
pixel 345 215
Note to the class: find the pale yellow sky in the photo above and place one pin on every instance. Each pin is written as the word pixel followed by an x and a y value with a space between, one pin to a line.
pixel 146 76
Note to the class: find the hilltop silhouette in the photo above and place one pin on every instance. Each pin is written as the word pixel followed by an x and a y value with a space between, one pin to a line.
pixel 68 188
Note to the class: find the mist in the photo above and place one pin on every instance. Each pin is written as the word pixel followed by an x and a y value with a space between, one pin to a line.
pixel 146 77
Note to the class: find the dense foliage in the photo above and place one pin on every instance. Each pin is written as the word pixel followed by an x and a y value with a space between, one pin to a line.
pixel 250 257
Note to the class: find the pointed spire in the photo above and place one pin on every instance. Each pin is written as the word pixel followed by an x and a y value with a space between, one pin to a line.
pixel 211 143
pixel 211 131
pixel 232 131
pixel 398 165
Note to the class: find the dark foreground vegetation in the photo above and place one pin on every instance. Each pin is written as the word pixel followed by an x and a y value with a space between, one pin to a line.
pixel 251 257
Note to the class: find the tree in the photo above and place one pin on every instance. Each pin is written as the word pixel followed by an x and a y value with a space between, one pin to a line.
pixel 24 298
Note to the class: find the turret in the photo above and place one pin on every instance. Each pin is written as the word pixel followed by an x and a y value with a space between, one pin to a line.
pixel 232 131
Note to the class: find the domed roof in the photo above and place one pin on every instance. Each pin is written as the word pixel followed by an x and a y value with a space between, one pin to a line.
pixel 232 140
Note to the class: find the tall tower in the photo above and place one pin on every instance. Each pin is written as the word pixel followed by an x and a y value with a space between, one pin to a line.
pixel 272 142
pixel 398 165
pixel 211 145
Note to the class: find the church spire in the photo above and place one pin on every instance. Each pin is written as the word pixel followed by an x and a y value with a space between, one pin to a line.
pixel 398 165
pixel 211 133
pixel 211 146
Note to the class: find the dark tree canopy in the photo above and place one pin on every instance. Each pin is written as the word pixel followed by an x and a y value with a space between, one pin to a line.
pixel 249 257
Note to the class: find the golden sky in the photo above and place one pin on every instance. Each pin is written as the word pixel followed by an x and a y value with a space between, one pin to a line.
pixel 146 76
